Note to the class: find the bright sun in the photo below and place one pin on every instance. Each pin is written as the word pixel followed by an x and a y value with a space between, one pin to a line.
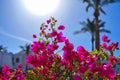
pixel 41 7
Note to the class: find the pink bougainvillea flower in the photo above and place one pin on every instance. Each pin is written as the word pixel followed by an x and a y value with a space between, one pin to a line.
pixel 82 69
pixel 82 51
pixel 68 46
pixel 115 45
pixel 46 26
pixel 81 54
pixel 41 27
pixel 61 27
pixel 52 47
pixel 105 38
pixel 19 66
pixel 95 68
pixel 54 33
pixel 70 67
pixel 48 21
pixel 1 77
pixel 55 20
pixel 110 48
pixel 60 37
pixel 37 46
pixel 108 65
pixel 44 70
pixel 55 46
pixel 76 77
pixel 31 60
pixel 6 71
pixel 111 73
pixel 63 62
pixel 69 53
pixel 34 36
pixel 43 59
pixel 91 59
pixel 108 72
pixel 104 45
pixel 37 60
pixel 112 59
pixel 68 56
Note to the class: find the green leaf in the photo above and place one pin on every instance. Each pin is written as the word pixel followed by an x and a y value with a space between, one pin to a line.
pixel 87 73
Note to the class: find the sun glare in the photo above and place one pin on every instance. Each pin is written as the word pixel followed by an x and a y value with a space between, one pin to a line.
pixel 41 7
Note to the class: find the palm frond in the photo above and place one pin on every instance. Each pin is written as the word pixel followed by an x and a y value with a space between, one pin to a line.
pixel 101 10
pixel 84 29
pixel 2 48
pixel 101 24
pixel 83 23
pixel 77 32
pixel 22 47
pixel 88 6
pixel 86 1
pixel 105 30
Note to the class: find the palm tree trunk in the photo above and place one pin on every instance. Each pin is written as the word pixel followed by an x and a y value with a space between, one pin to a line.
pixel 97 35
pixel 92 40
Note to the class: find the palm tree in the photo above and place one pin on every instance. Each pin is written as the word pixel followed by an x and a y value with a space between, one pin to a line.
pixel 3 49
pixel 89 26
pixel 97 6
pixel 26 48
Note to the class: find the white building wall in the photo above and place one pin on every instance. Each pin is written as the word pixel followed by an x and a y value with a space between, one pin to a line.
pixel 6 59
pixel 19 58
pixel 22 60
pixel 13 60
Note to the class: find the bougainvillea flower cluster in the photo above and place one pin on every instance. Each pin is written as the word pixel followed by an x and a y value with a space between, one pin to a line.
pixel 8 74
pixel 80 64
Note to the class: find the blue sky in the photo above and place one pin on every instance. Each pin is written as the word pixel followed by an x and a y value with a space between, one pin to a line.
pixel 17 24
